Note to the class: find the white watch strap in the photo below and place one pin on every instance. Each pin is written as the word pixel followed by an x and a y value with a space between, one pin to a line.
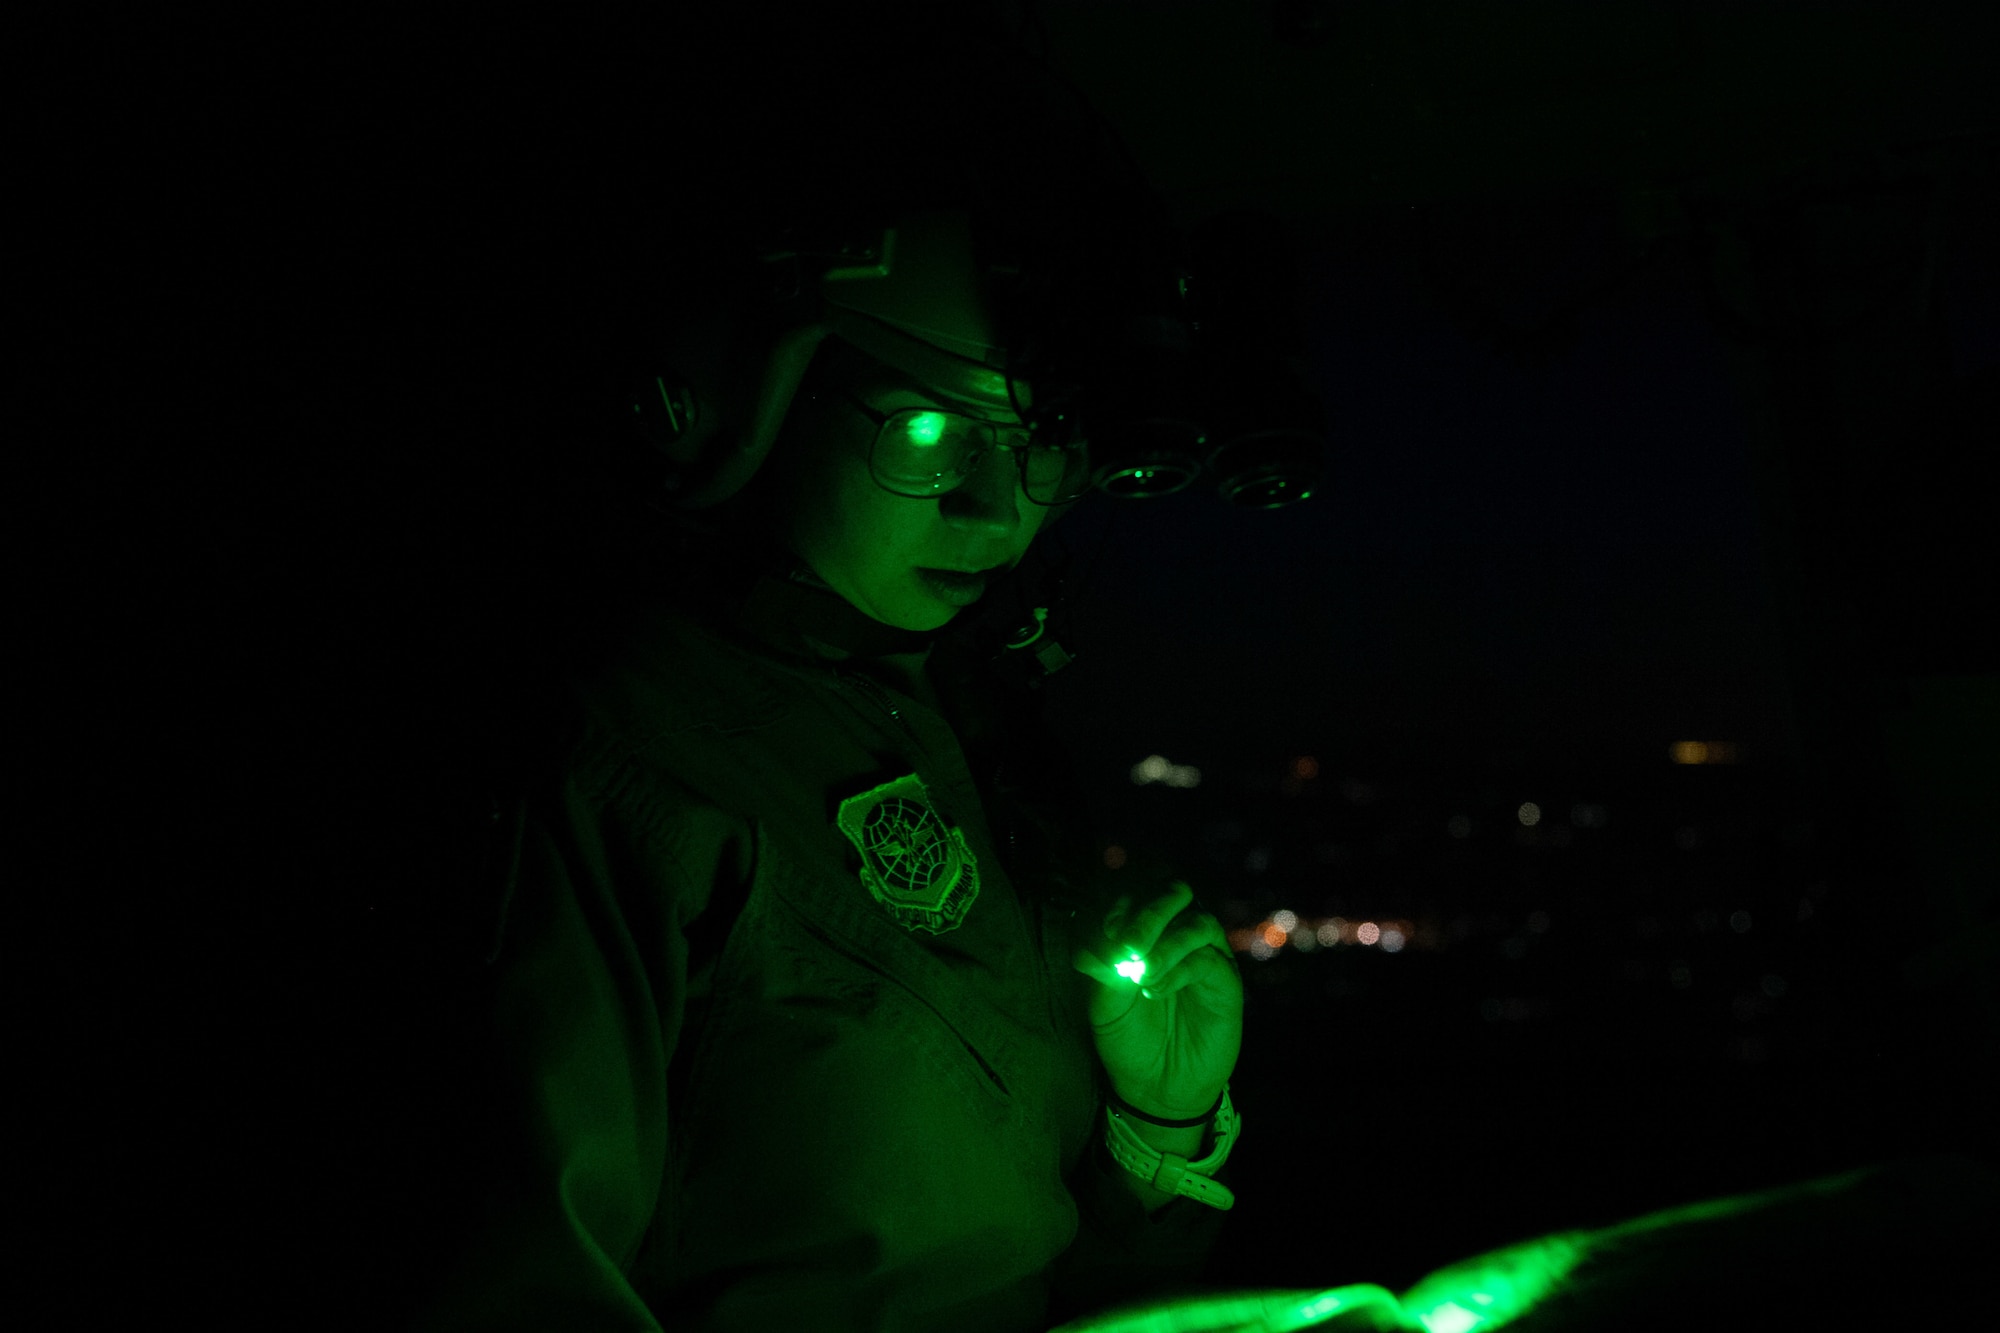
pixel 1171 1173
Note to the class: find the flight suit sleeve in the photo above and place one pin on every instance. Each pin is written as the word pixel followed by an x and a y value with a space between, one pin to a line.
pixel 1123 1255
pixel 586 1006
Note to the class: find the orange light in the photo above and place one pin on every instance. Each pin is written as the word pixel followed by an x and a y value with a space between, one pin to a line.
pixel 1703 752
pixel 1114 857
pixel 1306 767
pixel 1274 935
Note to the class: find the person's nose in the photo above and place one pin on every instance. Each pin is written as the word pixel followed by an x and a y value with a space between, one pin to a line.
pixel 990 499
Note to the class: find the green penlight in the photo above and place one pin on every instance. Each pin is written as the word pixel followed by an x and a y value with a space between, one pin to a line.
pixel 1133 970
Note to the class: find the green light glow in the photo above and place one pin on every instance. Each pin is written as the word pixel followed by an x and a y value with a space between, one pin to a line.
pixel 1710 1210
pixel 1476 1295
pixel 1495 1288
pixel 1450 1319
pixel 1262 1311
pixel 924 428
pixel 1326 1305
pixel 1133 970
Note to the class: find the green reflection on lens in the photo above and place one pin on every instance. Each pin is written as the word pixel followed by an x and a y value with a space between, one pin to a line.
pixel 924 429
pixel 927 452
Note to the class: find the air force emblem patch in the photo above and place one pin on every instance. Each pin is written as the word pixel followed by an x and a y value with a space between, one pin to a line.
pixel 915 866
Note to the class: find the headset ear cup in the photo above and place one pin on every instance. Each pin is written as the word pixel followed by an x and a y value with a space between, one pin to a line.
pixel 673 418
pixel 682 427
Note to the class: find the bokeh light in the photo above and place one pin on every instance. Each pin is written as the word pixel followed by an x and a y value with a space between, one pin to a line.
pixel 1704 752
pixel 1156 768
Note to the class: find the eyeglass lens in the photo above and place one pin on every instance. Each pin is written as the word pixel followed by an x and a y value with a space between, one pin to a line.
pixel 922 452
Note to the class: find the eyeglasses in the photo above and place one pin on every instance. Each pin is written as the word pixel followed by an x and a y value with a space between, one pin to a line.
pixel 922 452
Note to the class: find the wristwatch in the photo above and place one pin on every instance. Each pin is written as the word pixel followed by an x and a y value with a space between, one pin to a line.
pixel 1171 1173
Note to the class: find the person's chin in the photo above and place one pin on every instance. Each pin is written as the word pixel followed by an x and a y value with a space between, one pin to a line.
pixel 922 620
pixel 918 617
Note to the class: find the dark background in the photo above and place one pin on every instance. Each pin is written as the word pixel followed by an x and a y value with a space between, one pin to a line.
pixel 1659 350
pixel 1659 345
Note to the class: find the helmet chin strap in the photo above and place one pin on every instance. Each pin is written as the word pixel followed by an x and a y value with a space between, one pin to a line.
pixel 798 571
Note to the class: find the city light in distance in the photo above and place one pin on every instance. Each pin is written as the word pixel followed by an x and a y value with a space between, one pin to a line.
pixel 1297 774
pixel 1530 814
pixel 1703 752
pixel 1283 927
pixel 1155 768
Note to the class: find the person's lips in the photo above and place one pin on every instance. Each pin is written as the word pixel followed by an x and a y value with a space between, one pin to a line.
pixel 954 586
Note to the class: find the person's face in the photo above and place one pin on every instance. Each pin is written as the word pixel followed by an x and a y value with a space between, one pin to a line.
pixel 871 546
